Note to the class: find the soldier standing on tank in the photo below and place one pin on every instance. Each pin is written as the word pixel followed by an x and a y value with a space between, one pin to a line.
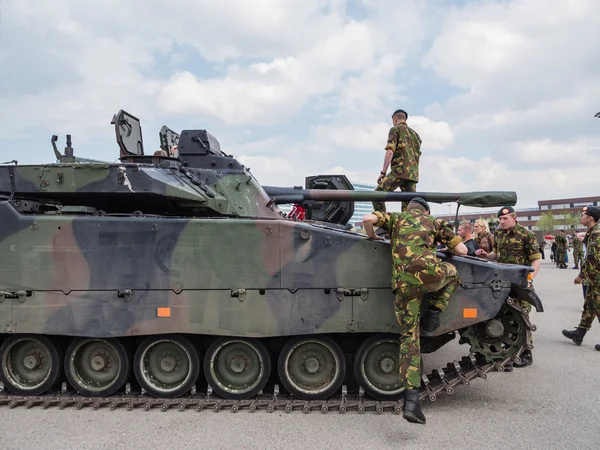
pixel 514 244
pixel 561 250
pixel 403 151
pixel 590 275
pixel 577 252
pixel 416 270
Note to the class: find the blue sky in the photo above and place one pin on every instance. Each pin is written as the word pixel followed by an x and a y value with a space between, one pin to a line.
pixel 503 93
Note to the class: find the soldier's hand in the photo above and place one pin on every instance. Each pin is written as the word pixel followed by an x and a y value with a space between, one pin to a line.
pixel 481 252
pixel 379 178
pixel 376 238
pixel 578 280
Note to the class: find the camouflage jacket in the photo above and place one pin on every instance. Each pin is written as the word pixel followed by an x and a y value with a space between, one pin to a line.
pixel 577 244
pixel 406 145
pixel 516 246
pixel 413 237
pixel 561 242
pixel 590 270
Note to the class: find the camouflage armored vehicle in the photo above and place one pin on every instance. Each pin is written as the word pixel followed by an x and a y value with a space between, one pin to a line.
pixel 175 273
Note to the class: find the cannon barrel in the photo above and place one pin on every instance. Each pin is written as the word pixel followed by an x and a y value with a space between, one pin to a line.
pixel 482 199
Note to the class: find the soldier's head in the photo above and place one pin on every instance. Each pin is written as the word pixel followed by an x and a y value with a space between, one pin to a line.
pixel 590 215
pixel 507 217
pixel 465 231
pixel 399 116
pixel 418 203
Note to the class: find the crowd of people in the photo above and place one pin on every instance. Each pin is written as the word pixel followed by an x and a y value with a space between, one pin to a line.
pixel 415 236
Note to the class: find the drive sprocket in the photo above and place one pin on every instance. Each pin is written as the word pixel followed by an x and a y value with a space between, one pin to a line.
pixel 501 337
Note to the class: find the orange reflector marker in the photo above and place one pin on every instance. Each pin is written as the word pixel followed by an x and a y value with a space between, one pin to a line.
pixel 530 276
pixel 163 312
pixel 470 313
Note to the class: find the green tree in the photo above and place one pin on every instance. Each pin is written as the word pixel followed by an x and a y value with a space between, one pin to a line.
pixel 547 222
pixel 569 220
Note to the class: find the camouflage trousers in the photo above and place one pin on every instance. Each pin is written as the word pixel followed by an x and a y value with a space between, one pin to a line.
pixel 560 257
pixel 591 307
pixel 390 183
pixel 407 306
pixel 578 257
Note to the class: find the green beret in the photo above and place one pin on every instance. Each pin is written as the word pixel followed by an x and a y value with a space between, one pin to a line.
pixel 400 111
pixel 592 211
pixel 506 210
pixel 421 201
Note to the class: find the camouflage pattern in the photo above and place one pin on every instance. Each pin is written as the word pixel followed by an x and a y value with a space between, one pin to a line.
pixel 590 273
pixel 484 241
pixel 404 168
pixel 561 249
pixel 194 246
pixel 516 246
pixel 577 252
pixel 390 183
pixel 416 271
pixel 406 145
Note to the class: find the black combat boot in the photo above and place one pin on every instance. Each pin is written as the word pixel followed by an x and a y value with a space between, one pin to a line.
pixel 412 407
pixel 526 359
pixel 576 335
pixel 574 267
pixel 431 320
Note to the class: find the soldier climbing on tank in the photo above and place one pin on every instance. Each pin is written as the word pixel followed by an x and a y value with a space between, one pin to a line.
pixel 416 270
pixel 403 151
pixel 589 274
pixel 514 244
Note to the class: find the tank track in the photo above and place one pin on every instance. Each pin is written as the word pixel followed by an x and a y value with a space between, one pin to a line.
pixel 438 381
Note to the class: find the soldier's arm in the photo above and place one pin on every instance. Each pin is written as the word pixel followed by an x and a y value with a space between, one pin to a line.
pixel 445 235
pixel 376 219
pixel 390 148
pixel 592 257
pixel 532 250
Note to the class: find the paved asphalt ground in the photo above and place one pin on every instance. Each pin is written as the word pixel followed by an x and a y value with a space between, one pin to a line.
pixel 552 404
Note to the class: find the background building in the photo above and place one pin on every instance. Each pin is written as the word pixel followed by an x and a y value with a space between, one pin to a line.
pixel 361 208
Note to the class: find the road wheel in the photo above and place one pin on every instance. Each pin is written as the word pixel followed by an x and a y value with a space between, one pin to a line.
pixel 166 366
pixel 377 367
pixel 237 368
pixel 31 364
pixel 312 367
pixel 97 367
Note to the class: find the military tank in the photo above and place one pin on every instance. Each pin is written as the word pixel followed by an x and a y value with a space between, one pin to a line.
pixel 174 279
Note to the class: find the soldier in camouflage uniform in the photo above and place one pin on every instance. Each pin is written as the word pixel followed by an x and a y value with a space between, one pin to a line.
pixel 403 151
pixel 561 250
pixel 577 252
pixel 590 274
pixel 416 270
pixel 514 244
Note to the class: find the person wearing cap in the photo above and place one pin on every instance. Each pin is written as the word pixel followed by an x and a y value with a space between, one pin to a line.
pixel 589 274
pixel 514 244
pixel 561 249
pixel 402 154
pixel 416 270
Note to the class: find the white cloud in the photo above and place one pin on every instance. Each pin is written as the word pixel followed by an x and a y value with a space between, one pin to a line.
pixel 296 88
pixel 272 92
